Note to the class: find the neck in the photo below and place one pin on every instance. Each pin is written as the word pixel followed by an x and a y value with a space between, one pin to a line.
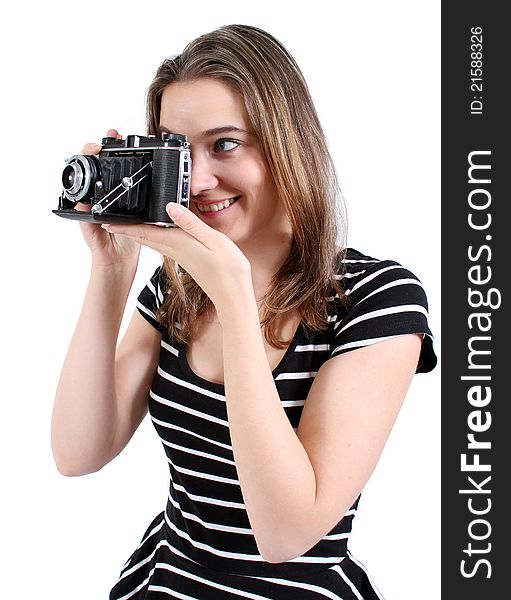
pixel 266 259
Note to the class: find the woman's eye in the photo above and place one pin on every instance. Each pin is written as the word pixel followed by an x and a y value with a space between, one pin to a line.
pixel 225 145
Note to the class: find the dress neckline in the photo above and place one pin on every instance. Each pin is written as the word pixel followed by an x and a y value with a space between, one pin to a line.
pixel 220 387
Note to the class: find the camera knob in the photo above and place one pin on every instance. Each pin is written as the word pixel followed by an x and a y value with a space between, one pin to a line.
pixel 173 137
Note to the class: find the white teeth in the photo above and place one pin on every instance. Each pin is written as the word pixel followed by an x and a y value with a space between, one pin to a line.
pixel 215 207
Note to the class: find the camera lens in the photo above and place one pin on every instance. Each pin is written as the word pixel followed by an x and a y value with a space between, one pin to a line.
pixel 78 178
pixel 71 178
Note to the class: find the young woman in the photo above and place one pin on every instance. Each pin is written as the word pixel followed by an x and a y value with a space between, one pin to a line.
pixel 273 360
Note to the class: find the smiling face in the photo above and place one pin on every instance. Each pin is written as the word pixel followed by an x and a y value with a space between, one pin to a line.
pixel 232 189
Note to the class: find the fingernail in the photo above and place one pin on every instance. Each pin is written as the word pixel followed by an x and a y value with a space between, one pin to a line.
pixel 174 209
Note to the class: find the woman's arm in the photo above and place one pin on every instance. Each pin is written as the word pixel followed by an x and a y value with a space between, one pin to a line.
pixel 297 486
pixel 102 393
pixel 101 396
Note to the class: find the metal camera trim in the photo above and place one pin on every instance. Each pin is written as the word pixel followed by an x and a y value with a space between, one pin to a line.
pixel 85 177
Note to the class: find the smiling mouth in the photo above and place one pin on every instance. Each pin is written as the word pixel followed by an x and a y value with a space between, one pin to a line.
pixel 217 206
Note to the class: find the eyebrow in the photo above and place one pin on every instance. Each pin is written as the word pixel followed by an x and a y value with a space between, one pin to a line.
pixel 214 131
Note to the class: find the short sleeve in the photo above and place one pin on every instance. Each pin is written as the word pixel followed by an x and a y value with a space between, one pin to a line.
pixel 151 298
pixel 384 300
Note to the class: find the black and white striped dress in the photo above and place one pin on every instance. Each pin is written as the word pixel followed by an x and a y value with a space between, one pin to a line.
pixel 201 546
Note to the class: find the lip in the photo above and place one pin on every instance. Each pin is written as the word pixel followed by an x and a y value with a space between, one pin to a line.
pixel 212 214
pixel 216 201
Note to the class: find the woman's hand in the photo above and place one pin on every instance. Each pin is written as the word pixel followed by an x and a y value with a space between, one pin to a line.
pixel 210 257
pixel 107 249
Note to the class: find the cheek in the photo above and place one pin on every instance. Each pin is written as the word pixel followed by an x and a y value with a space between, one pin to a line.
pixel 254 176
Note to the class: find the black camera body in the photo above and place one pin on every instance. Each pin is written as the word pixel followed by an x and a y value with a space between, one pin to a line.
pixel 130 181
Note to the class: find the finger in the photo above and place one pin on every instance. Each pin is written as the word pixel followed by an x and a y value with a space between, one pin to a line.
pixel 173 242
pixel 94 148
pixel 82 206
pixel 91 148
pixel 113 133
pixel 147 235
pixel 189 222
pixel 192 228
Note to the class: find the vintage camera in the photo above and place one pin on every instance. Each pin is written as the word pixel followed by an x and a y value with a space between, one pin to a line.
pixel 130 181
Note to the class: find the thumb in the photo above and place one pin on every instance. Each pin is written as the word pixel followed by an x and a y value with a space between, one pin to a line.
pixel 182 216
pixel 189 222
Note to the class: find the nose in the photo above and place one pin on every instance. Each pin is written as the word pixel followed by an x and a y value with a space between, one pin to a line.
pixel 203 175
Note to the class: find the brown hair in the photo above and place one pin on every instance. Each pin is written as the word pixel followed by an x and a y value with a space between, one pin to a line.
pixel 286 124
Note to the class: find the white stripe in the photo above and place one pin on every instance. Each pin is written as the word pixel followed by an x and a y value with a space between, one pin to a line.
pixel 363 343
pixel 251 557
pixel 210 549
pixel 174 550
pixel 151 556
pixel 291 403
pixel 357 562
pixel 338 569
pixel 145 310
pixel 170 348
pixel 207 500
pixel 391 310
pixel 202 475
pixel 139 587
pixel 154 530
pixel 213 584
pixel 207 524
pixel 369 278
pixel 160 294
pixel 188 432
pixel 390 285
pixel 198 453
pixel 336 536
pixel 187 410
pixel 296 375
pixel 350 275
pixel 312 348
pixel 151 287
pixel 141 563
pixel 190 386
pixel 360 260
pixel 300 584
pixel 154 293
pixel 173 593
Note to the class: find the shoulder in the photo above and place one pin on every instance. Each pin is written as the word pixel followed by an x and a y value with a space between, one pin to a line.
pixel 382 299
pixel 361 274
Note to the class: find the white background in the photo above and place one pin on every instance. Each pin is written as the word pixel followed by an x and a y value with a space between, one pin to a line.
pixel 72 70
